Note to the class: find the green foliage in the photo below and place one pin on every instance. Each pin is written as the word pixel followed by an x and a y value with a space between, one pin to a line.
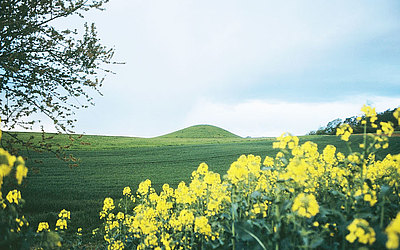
pixel 47 71
pixel 330 128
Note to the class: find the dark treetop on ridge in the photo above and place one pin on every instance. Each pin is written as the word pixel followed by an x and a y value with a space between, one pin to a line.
pixel 201 131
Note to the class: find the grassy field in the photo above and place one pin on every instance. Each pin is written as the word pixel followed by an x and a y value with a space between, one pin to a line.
pixel 108 164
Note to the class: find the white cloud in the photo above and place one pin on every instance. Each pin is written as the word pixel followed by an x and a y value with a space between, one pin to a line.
pixel 256 118
pixel 181 56
pixel 259 118
pixel 186 47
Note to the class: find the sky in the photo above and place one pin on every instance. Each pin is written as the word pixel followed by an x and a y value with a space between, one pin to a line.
pixel 255 68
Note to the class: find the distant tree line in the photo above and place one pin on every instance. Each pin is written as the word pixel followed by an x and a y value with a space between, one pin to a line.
pixel 330 128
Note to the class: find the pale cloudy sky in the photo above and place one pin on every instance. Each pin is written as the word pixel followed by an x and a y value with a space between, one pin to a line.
pixel 255 68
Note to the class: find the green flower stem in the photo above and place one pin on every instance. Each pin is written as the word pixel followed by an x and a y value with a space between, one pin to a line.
pixel 191 238
pixel 277 216
pixel 126 204
pixel 233 225
pixel 349 148
pixel 365 153
pixel 382 212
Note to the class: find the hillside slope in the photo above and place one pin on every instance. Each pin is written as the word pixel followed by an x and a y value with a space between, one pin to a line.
pixel 201 131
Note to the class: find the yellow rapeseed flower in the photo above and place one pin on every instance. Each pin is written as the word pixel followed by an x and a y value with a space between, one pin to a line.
pixel 126 191
pixel 108 204
pixel 43 226
pixel 237 172
pixel 13 196
pixel 120 216
pixel 21 170
pixel 202 169
pixel 201 226
pixel 167 190
pixel 368 111
pixel 186 217
pixel 329 154
pixel 116 245
pixel 345 131
pixel 65 214
pixel 183 194
pixel 286 140
pixel 61 224
pixel 360 229
pixel 212 178
pixel 393 233
pixel 144 187
pixel 150 241
pixel 387 128
pixel 167 241
pixel 6 163
pixel 268 162
pixel 396 115
pixel 305 205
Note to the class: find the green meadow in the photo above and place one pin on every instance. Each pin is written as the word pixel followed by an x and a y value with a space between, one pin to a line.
pixel 107 164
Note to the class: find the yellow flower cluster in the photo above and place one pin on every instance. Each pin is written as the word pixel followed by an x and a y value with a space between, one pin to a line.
pixel 64 214
pixel 43 226
pixel 7 163
pixel 157 217
pixel 305 205
pixel 286 140
pixel 269 195
pixel 345 131
pixel 368 194
pixel 201 226
pixel 108 205
pixel 21 222
pixel 13 196
pixel 61 224
pixel 144 188
pixel 360 229
pixel 259 208
pixel 127 191
pixel 396 115
pixel 370 113
pixel 393 233
pixel 116 245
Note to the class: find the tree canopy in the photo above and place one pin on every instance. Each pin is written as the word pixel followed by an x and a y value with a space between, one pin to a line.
pixel 45 69
pixel 358 127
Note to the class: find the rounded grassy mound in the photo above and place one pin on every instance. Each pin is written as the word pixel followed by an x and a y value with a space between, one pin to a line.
pixel 201 131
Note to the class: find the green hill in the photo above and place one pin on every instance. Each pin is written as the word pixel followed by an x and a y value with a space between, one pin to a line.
pixel 201 131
